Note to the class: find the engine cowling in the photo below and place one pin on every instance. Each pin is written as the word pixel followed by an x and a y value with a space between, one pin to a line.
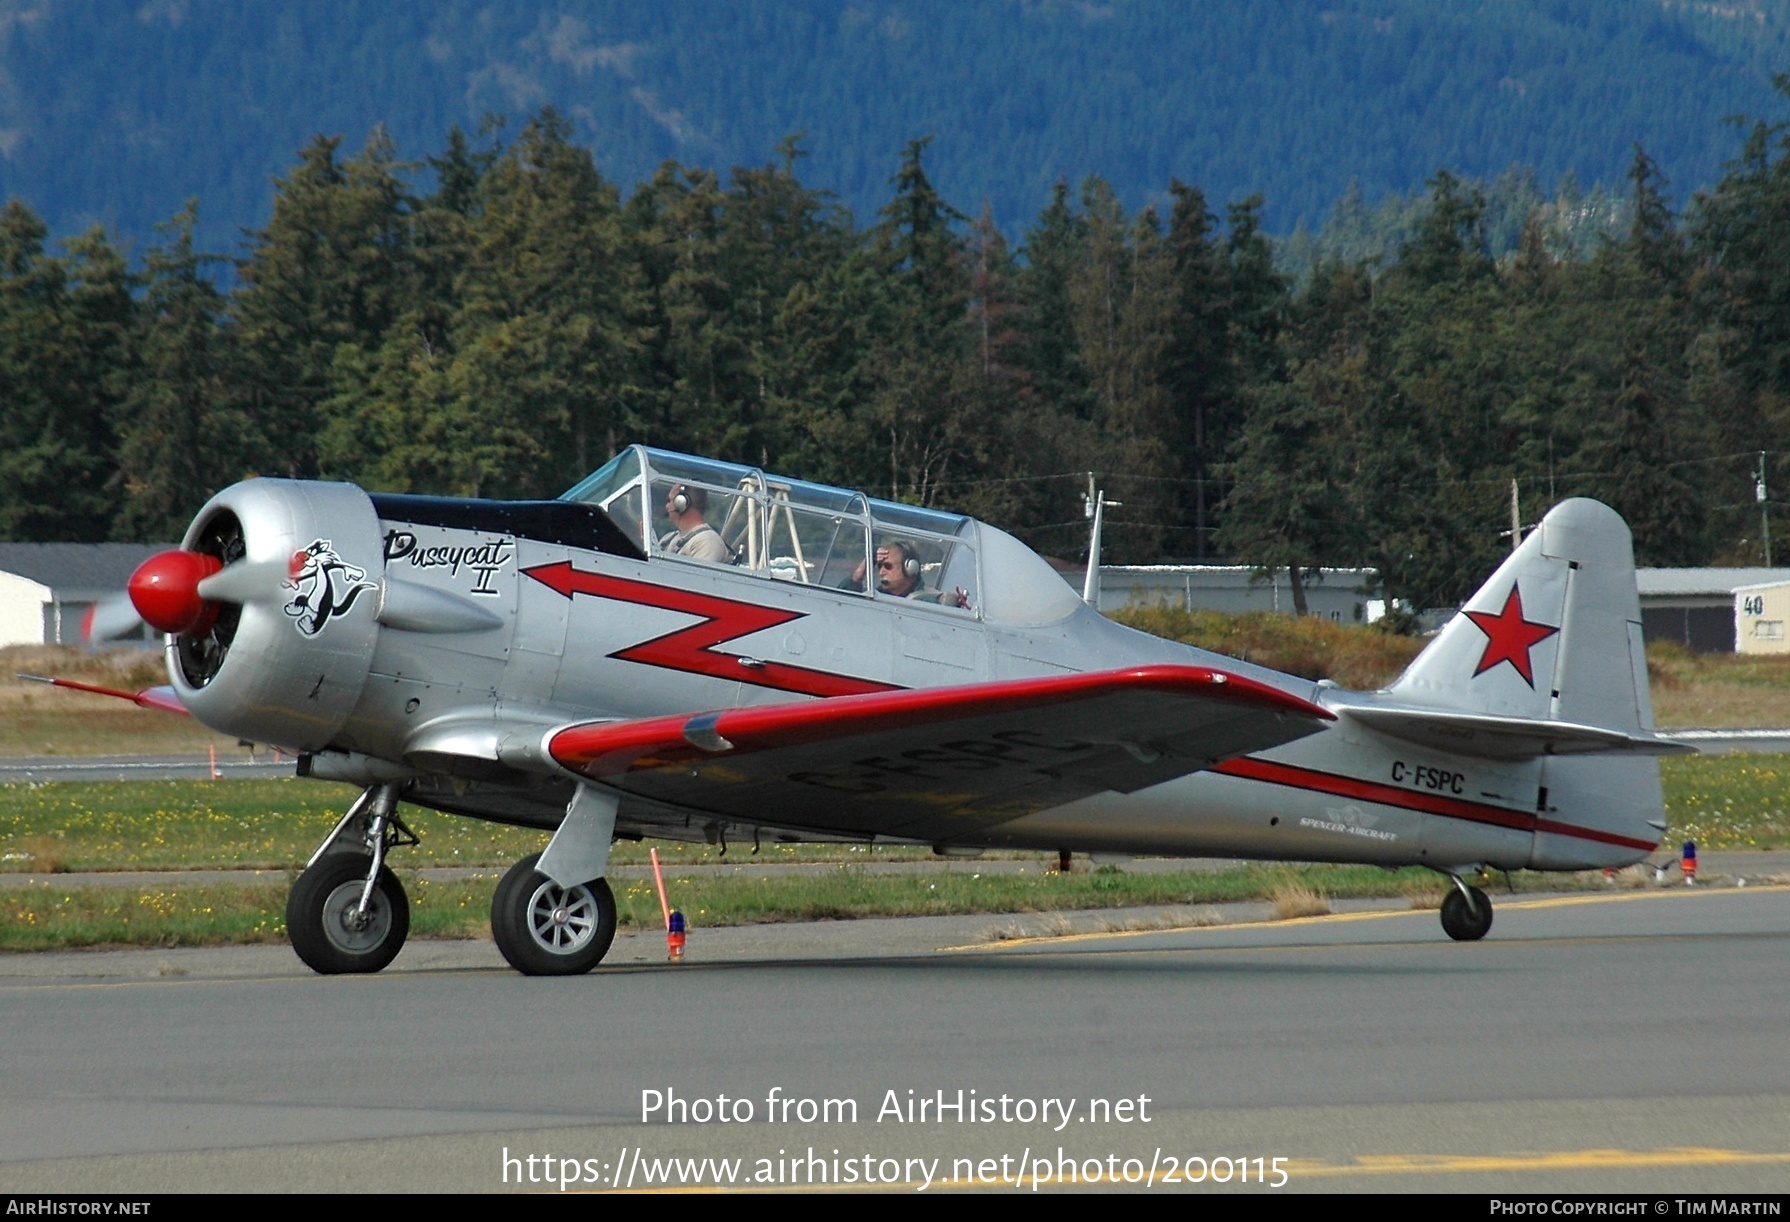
pixel 286 655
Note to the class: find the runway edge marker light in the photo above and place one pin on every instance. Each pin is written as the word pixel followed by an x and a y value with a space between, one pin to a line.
pixel 1688 863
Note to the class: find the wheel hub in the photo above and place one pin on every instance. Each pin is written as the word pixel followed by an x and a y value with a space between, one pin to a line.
pixel 562 921
pixel 347 927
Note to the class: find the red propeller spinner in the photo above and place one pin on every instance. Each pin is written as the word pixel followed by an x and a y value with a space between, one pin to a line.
pixel 165 591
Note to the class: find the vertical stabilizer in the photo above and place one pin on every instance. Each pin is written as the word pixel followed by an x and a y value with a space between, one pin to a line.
pixel 1555 634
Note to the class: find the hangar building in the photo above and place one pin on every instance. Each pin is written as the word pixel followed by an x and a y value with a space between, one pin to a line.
pixel 1696 607
pixel 46 589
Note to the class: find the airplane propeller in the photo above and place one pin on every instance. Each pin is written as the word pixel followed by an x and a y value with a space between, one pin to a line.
pixel 112 618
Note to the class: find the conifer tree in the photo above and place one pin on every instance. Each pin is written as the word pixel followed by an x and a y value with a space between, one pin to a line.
pixel 332 267
pixel 56 386
pixel 178 438
pixel 1054 247
pixel 921 412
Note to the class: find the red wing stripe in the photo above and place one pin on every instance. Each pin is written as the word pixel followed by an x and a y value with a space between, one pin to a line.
pixel 1251 769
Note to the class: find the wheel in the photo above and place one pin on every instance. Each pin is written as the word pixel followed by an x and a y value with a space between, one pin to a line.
pixel 1464 923
pixel 321 919
pixel 544 929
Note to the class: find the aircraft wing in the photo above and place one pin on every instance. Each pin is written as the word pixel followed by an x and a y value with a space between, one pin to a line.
pixel 939 763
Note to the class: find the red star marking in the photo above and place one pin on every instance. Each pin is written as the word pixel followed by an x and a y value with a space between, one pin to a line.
pixel 1509 636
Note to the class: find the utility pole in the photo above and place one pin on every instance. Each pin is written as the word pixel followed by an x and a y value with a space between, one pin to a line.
pixel 1096 506
pixel 1516 518
pixel 1764 509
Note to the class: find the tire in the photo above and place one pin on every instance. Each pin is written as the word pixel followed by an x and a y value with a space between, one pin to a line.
pixel 1464 923
pixel 318 916
pixel 544 929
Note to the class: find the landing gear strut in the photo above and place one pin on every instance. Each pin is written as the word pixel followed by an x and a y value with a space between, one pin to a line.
pixel 1466 912
pixel 347 912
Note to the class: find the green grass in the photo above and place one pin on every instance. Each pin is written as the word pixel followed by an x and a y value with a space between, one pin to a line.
pixel 1722 801
pixel 45 916
pixel 177 825
pixel 276 825
pixel 1733 801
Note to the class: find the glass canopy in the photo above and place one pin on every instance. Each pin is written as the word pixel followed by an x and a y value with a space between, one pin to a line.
pixel 698 510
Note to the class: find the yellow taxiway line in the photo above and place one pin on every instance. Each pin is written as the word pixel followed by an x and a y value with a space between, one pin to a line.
pixel 1340 918
pixel 1299 1169
pixel 1556 1160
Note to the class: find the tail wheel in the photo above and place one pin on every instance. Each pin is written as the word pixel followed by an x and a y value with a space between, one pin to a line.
pixel 544 929
pixel 326 926
pixel 1464 921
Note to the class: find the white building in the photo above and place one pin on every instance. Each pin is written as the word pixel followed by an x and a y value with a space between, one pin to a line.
pixel 47 589
pixel 1698 607
pixel 1760 613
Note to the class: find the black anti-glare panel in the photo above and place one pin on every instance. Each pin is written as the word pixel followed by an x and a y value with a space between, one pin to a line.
pixel 567 523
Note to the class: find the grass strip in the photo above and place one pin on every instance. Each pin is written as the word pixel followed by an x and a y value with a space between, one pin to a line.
pixel 276 824
pixel 1736 801
pixel 44 916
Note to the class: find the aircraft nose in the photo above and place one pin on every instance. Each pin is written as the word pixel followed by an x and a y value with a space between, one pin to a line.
pixel 165 591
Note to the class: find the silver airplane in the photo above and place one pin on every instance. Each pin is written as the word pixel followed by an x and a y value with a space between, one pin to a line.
pixel 688 649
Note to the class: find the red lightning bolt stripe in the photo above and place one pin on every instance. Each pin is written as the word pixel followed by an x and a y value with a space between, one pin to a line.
pixel 692 649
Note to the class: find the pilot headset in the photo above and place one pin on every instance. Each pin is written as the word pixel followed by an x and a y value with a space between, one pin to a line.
pixel 910 563
pixel 680 503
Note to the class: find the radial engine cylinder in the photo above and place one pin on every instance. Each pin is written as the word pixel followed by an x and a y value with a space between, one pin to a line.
pixel 287 655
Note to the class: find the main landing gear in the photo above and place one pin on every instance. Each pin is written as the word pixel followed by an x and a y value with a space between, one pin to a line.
pixel 1466 912
pixel 347 912
pixel 544 929
pixel 545 920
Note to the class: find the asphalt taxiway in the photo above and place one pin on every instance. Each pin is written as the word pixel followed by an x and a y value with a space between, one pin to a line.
pixel 1619 1042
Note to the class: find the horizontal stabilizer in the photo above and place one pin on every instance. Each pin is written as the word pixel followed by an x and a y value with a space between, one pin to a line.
pixel 1491 736
pixel 937 763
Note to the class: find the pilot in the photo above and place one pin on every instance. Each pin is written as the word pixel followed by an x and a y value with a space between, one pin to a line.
pixel 897 569
pixel 693 537
pixel 898 575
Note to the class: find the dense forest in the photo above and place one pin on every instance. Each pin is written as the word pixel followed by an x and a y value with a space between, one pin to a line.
pixel 117 111
pixel 502 328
